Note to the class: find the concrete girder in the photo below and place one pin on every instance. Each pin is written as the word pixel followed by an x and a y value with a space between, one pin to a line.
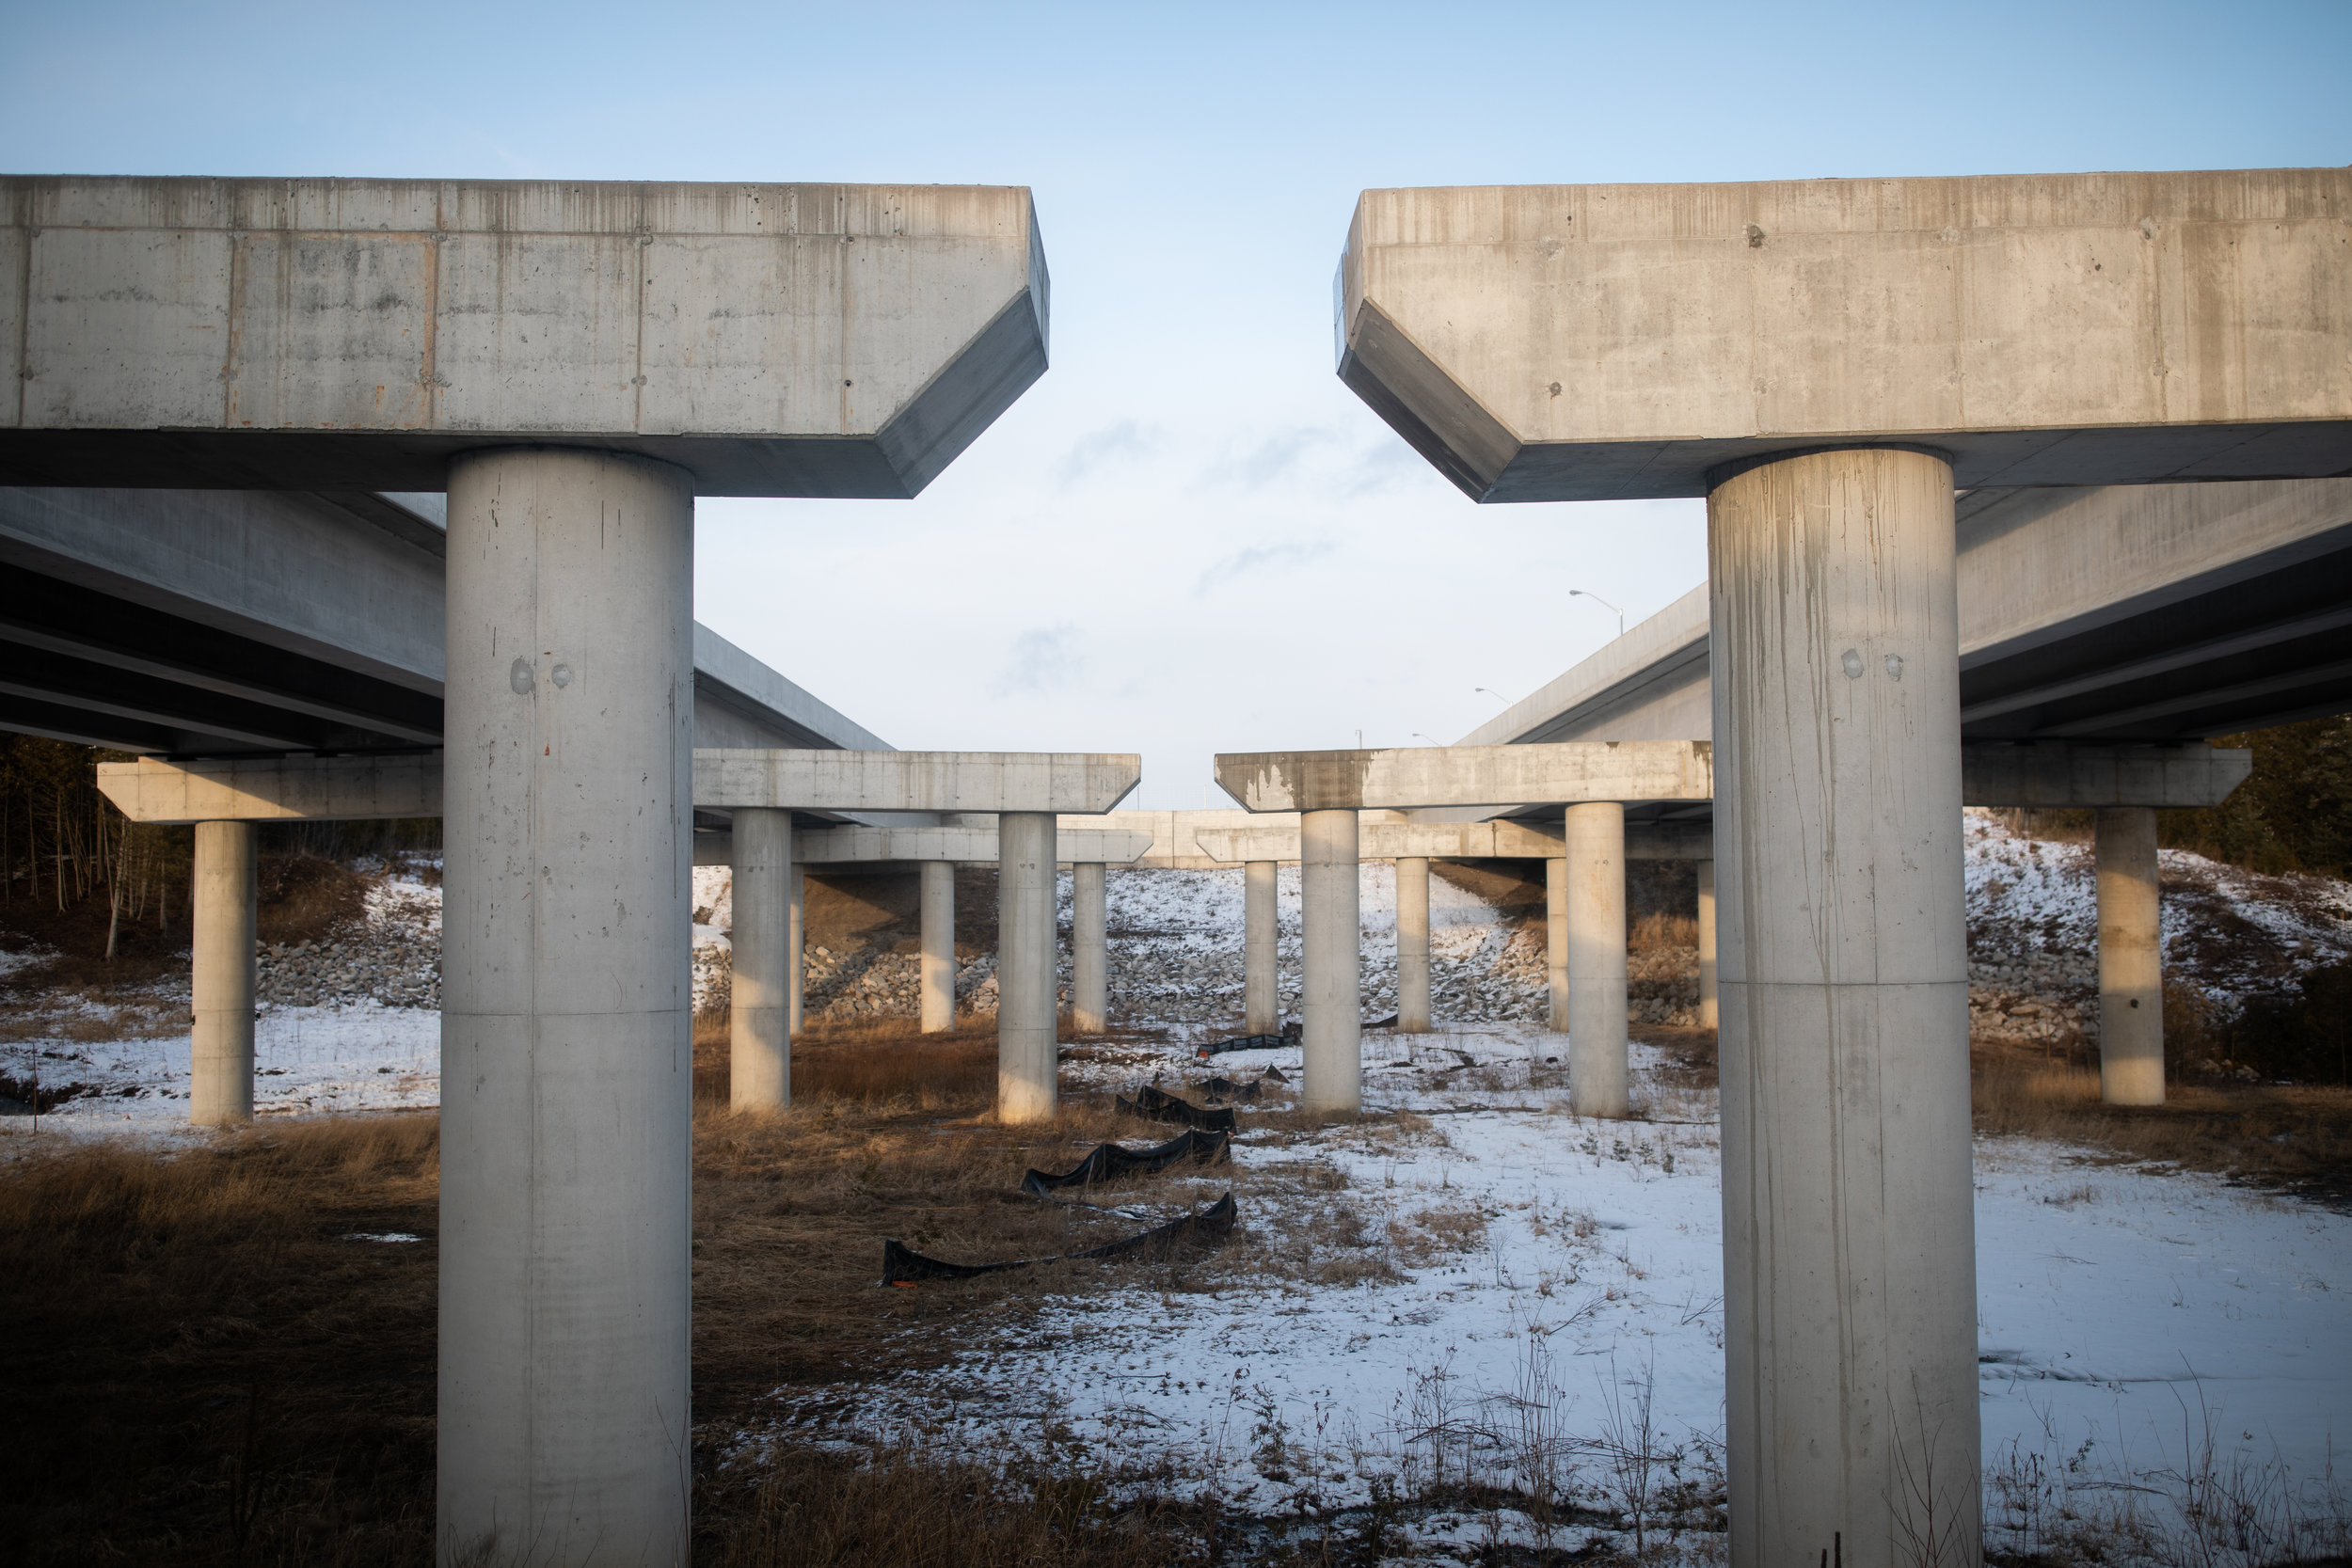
pixel 1588 342
pixel 214 623
pixel 1502 838
pixel 986 781
pixel 2056 776
pixel 2134 613
pixel 1404 778
pixel 315 334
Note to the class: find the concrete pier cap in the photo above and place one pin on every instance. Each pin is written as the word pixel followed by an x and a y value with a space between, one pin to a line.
pixel 1593 342
pixel 770 339
pixel 573 363
pixel 1826 361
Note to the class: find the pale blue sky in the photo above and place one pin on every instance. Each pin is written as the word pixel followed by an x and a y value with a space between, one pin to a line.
pixel 1190 537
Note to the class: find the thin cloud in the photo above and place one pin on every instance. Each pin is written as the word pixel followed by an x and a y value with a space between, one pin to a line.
pixel 1043 660
pixel 1269 460
pixel 1127 439
pixel 1257 562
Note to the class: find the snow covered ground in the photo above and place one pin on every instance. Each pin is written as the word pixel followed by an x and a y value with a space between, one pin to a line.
pixel 1484 1287
pixel 1529 1287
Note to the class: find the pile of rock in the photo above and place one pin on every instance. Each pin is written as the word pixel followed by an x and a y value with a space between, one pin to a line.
pixel 2042 998
pixel 396 969
pixel 393 957
pixel 867 982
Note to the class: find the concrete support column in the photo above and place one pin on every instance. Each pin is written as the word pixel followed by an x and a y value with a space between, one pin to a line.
pixel 1848 1234
pixel 759 1015
pixel 1089 948
pixel 1556 943
pixel 2131 958
pixel 567 1022
pixel 1330 990
pixel 220 983
pixel 1261 950
pixel 1596 1014
pixel 796 966
pixel 939 947
pixel 1707 944
pixel 1027 1018
pixel 1412 946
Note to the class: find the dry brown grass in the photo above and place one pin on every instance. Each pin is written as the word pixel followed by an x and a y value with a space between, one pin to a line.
pixel 205 1368
pixel 1655 934
pixel 2296 1137
pixel 912 1510
pixel 202 1366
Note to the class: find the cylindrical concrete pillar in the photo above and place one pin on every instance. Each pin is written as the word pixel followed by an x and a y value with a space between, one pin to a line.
pixel 1330 990
pixel 1261 950
pixel 1028 1016
pixel 1596 1021
pixel 220 983
pixel 759 1015
pixel 1707 944
pixel 1089 948
pixel 1556 944
pixel 2131 958
pixel 796 966
pixel 567 1022
pixel 939 946
pixel 1412 946
pixel 1848 1234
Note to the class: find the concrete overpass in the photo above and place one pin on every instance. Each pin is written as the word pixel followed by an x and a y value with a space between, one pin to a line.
pixel 1828 362
pixel 571 364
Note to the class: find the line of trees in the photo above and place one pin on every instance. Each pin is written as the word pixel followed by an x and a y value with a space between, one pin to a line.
pixel 63 844
pixel 2293 813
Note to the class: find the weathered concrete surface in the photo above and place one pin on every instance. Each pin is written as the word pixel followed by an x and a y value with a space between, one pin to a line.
pixel 1330 995
pixel 1261 949
pixel 276 789
pixel 1707 1007
pixel 1585 343
pixel 935 1006
pixel 1412 946
pixel 795 944
pixel 2131 958
pixel 772 339
pixel 1595 868
pixel 1089 948
pixel 1556 1015
pixel 760 1006
pixel 1407 777
pixel 225 905
pixel 566 1020
pixel 1027 1018
pixel 998 782
pixel 1849 1238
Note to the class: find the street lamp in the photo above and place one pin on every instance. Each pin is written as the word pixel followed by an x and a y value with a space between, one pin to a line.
pixel 1496 696
pixel 1581 593
pixel 1418 735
